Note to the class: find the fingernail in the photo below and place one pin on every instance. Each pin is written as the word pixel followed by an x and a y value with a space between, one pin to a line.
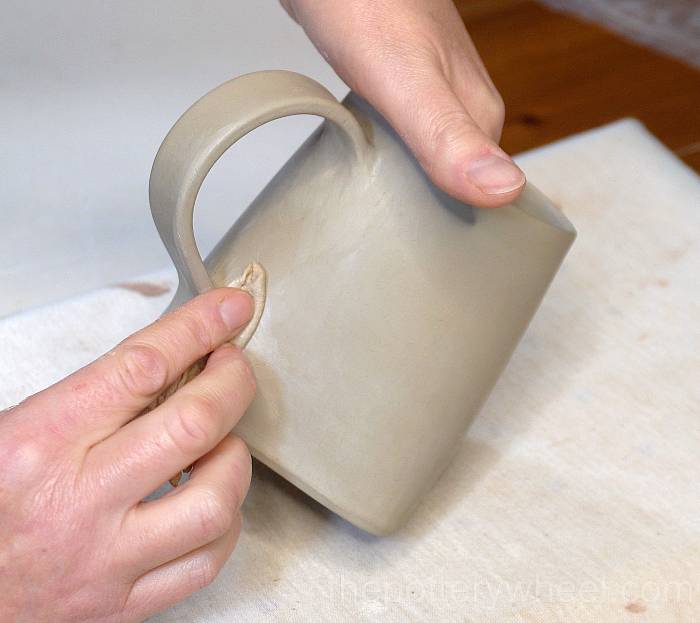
pixel 236 309
pixel 495 175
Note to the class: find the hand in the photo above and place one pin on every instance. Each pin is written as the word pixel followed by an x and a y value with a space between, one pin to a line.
pixel 77 543
pixel 415 63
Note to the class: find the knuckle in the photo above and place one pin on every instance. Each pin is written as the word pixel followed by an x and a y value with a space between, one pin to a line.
pixel 200 333
pixel 142 370
pixel 233 373
pixel 24 459
pixel 195 423
pixel 217 512
pixel 446 130
pixel 204 570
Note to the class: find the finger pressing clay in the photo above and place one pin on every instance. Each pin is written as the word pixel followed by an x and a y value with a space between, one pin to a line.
pixel 254 282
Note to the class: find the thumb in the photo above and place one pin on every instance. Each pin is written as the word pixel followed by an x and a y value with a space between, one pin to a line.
pixel 453 149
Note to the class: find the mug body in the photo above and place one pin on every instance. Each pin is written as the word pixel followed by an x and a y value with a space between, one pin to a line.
pixel 391 311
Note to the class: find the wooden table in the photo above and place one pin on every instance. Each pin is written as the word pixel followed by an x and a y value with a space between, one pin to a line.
pixel 559 75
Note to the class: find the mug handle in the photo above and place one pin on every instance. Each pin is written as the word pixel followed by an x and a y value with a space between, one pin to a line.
pixel 207 129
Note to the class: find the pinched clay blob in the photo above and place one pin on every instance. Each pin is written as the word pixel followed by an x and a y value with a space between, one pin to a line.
pixel 254 282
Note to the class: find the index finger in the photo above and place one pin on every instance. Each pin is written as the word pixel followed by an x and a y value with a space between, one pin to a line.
pixel 103 396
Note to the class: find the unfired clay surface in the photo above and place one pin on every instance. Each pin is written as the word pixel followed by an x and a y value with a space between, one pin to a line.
pixel 391 308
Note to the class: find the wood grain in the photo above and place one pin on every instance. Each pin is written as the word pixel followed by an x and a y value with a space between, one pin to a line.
pixel 559 75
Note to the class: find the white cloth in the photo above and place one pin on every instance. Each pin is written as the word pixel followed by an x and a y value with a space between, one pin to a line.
pixel 575 496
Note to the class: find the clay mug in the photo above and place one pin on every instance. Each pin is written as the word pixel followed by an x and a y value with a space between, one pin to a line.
pixel 391 307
